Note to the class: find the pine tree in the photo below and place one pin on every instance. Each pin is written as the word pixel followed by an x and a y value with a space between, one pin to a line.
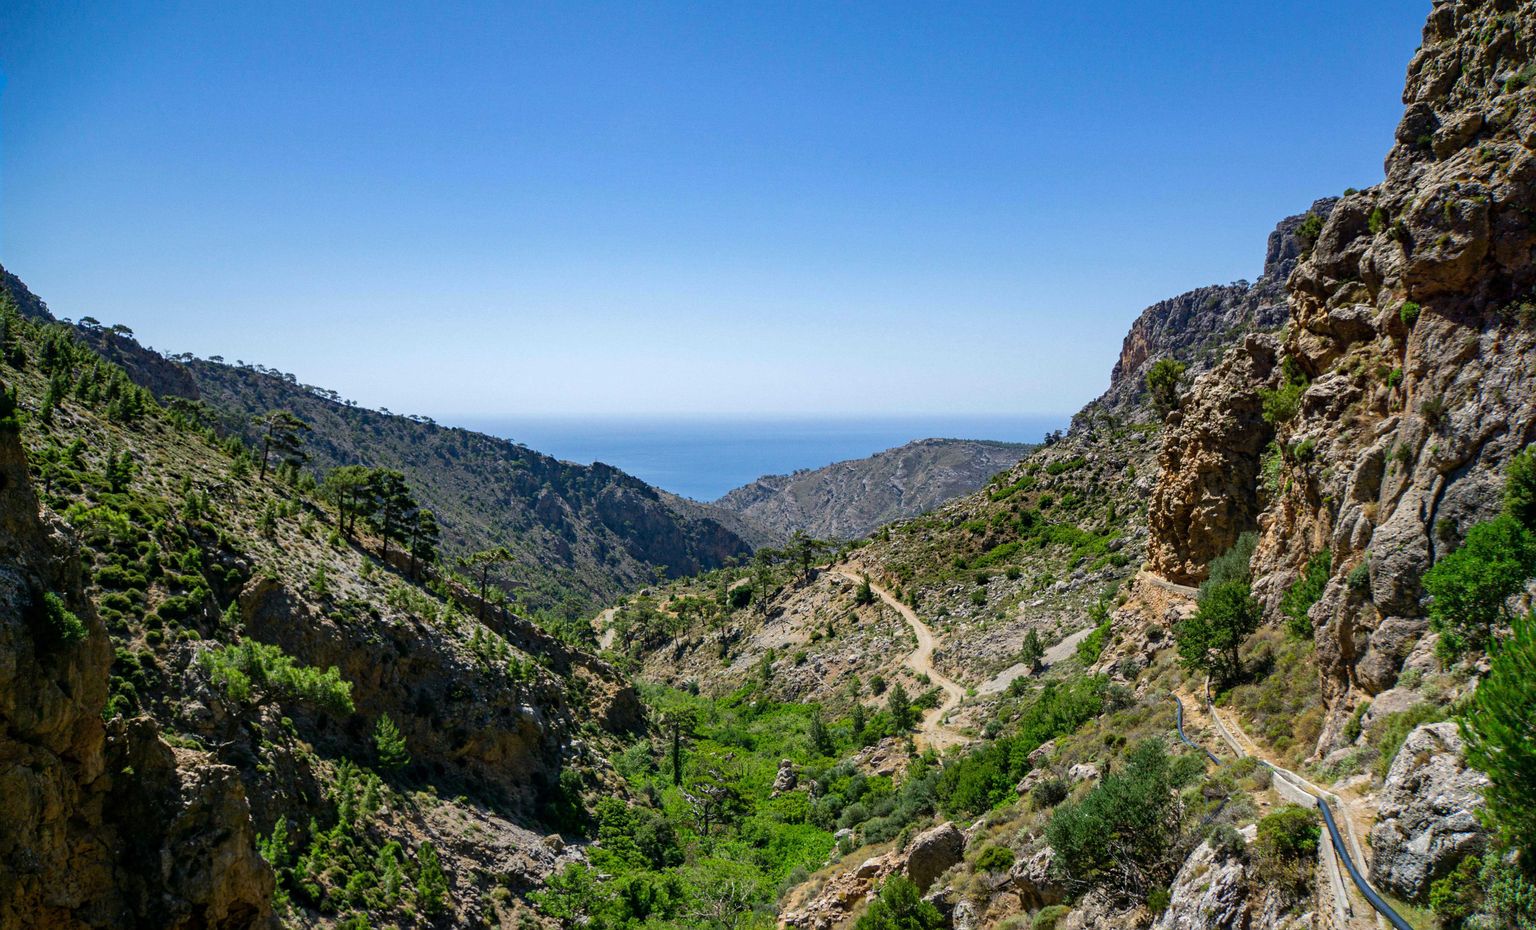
pixel 1032 651
pixel 431 883
pixel 390 744
pixel 821 737
pixel 1498 729
pixel 900 707
pixel 282 432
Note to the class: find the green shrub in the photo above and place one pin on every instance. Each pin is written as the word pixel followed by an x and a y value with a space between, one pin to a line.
pixel 994 859
pixel 57 625
pixel 1120 835
pixel 243 668
pixel 1378 221
pixel 1308 230
pixel 1307 590
pixel 1281 404
pixel 1408 313
pixel 1285 845
pixel 1049 792
pixel 900 906
pixel 1047 917
pixel 1469 588
pixel 1158 900
pixel 1163 380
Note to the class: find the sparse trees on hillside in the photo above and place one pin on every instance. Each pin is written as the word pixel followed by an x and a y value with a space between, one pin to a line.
pixel 424 535
pixel 283 434
pixel 391 505
pixel 482 563
pixel 804 549
pixel 347 487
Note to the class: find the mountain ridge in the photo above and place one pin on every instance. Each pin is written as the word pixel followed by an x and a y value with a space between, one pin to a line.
pixel 853 497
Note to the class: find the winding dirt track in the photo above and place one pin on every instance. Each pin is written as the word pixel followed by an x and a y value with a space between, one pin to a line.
pixel 932 732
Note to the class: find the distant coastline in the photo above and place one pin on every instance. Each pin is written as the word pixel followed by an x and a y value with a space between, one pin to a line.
pixel 702 458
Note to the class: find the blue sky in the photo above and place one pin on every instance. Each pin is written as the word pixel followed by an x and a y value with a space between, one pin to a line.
pixel 656 208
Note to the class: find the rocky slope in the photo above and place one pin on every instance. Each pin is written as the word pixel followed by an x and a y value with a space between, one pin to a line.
pixel 580 534
pixel 846 500
pixel 245 654
pixel 104 825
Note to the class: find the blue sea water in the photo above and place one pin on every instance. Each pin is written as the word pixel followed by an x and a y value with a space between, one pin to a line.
pixel 704 458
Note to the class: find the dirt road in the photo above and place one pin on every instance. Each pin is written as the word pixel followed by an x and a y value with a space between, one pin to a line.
pixel 932 732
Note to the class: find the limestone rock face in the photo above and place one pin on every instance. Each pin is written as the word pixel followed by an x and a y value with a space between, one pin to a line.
pixel 1210 464
pixel 1211 892
pixel 1427 812
pixel 1192 326
pixel 1412 323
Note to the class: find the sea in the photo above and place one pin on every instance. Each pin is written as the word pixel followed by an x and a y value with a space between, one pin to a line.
pixel 702 458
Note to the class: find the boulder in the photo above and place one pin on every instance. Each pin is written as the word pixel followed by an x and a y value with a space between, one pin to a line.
pixel 1211 891
pixel 933 852
pixel 1427 813
pixel 786 779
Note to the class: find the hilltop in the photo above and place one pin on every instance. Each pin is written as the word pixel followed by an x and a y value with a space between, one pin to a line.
pixel 846 500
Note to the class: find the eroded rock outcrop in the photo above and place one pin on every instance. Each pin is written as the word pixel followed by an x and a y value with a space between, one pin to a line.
pixel 1408 358
pixel 1211 892
pixel 1428 813
pixel 1208 496
pixel 99 828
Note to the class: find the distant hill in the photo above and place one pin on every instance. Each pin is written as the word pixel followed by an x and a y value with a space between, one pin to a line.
pixel 581 534
pixel 850 499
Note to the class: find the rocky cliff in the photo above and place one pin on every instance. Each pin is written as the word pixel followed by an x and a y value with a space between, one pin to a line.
pixel 100 825
pixel 850 499
pixel 1377 428
pixel 1197 327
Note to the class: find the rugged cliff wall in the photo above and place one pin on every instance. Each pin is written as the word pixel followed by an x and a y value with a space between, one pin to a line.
pixel 99 826
pixel 1378 426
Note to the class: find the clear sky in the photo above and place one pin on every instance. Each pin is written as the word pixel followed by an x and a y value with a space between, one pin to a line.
pixel 662 208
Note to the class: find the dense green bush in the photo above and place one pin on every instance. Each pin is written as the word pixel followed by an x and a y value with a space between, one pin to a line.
pixel 57 626
pixel 900 906
pixel 1163 380
pixel 1470 587
pixel 1285 845
pixel 1280 405
pixel 994 859
pixel 1121 836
